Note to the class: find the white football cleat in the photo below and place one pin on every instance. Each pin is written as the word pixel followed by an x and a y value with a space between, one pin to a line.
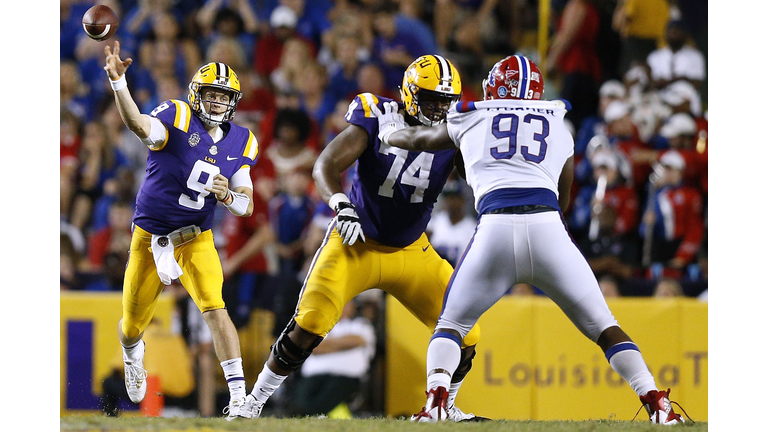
pixel 235 409
pixel 457 415
pixel 434 410
pixel 135 379
pixel 251 408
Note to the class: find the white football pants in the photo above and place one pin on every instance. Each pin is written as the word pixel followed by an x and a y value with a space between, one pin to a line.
pixel 529 248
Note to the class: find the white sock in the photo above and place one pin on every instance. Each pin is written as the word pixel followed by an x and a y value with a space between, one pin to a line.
pixel 442 353
pixel 630 365
pixel 134 352
pixel 452 392
pixel 233 373
pixel 266 384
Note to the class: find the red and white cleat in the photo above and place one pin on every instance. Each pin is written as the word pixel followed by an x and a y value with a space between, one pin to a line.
pixel 434 410
pixel 659 408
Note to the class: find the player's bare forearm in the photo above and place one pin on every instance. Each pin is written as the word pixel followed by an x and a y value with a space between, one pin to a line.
pixel 115 68
pixel 420 138
pixel 249 193
pixel 133 119
pixel 337 156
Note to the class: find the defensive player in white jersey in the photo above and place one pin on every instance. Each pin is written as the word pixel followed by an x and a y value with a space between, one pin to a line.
pixel 197 159
pixel 518 157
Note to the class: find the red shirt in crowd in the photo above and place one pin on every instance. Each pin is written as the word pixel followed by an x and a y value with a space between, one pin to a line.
pixel 238 230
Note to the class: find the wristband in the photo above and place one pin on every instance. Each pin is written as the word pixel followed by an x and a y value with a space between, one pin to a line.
pixel 239 204
pixel 385 137
pixel 226 197
pixel 335 199
pixel 118 84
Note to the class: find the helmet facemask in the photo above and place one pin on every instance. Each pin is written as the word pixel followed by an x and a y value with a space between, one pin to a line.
pixel 210 119
pixel 432 106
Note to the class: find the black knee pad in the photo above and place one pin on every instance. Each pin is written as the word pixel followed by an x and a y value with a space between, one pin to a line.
pixel 289 355
pixel 464 365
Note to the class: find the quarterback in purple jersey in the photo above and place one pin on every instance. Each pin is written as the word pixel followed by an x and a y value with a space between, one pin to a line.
pixel 197 158
pixel 376 239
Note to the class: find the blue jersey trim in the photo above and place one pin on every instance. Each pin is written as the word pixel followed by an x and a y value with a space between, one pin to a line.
pixel 463 107
pixel 509 197
pixel 567 104
pixel 446 335
pixel 619 347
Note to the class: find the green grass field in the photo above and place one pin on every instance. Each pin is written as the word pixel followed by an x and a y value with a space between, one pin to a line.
pixel 97 423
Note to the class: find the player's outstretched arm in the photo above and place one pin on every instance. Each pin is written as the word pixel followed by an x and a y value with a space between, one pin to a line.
pixel 395 132
pixel 137 122
pixel 420 138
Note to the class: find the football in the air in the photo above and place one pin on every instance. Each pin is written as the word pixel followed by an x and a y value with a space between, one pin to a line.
pixel 100 22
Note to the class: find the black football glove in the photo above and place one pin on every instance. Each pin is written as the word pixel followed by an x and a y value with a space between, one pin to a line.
pixel 348 224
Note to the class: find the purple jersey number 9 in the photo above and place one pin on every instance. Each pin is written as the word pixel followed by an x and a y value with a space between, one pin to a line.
pixel 201 177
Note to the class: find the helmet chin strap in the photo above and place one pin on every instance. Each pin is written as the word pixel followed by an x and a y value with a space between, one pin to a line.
pixel 210 119
pixel 427 121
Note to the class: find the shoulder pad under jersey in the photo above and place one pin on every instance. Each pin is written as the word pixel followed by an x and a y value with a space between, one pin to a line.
pixel 174 113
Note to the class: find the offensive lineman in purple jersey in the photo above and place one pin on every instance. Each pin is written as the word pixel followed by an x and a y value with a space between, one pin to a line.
pixel 518 157
pixel 377 238
pixel 197 158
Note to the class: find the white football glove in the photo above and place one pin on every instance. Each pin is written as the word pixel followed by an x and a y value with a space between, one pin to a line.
pixel 348 223
pixel 390 121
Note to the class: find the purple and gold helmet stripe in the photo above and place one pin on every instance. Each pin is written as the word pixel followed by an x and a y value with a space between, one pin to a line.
pixel 222 70
pixel 445 69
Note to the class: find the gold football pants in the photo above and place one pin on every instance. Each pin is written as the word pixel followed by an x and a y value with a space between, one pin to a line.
pixel 415 275
pixel 202 278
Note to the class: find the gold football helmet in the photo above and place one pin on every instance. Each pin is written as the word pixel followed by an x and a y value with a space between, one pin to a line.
pixel 218 76
pixel 430 85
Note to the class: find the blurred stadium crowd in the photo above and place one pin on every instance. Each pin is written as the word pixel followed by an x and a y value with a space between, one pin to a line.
pixel 634 71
